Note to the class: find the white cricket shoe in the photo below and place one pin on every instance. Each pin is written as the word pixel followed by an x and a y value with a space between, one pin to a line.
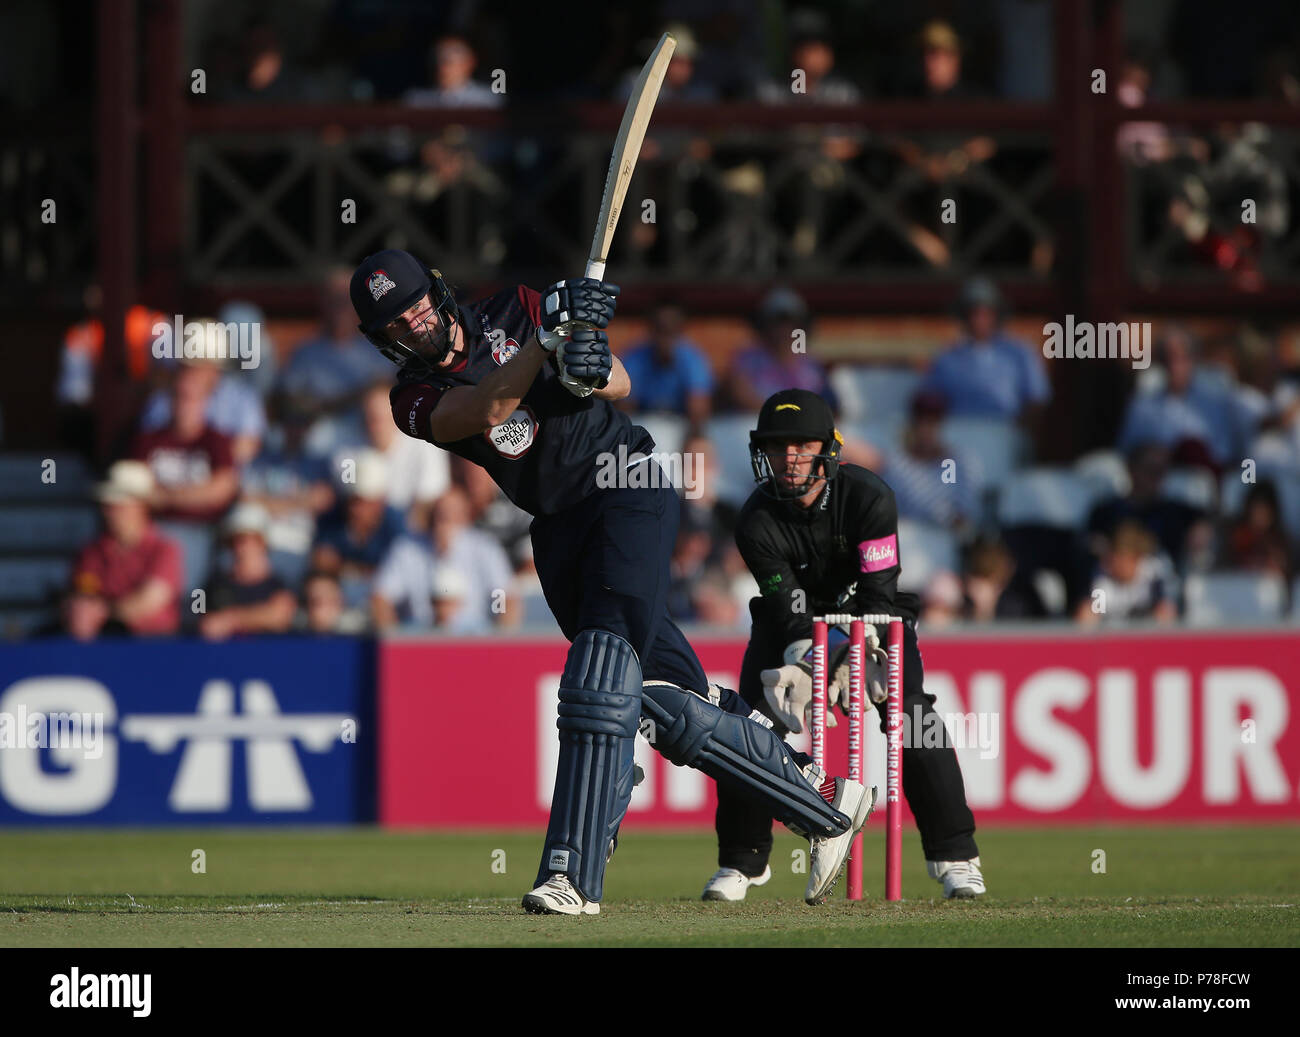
pixel 730 884
pixel 556 896
pixel 961 879
pixel 828 854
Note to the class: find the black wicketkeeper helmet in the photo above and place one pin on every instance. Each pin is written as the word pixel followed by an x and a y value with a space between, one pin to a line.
pixel 388 284
pixel 801 415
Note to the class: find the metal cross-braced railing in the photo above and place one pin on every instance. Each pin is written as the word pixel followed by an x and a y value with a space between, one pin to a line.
pixel 707 203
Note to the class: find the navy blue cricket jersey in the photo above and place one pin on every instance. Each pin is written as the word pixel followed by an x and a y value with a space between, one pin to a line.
pixel 545 456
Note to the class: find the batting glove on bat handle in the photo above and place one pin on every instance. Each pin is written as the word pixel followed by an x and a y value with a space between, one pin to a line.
pixel 578 301
pixel 585 361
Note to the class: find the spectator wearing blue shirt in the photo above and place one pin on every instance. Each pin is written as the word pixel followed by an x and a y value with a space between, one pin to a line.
pixel 916 472
pixel 329 374
pixel 988 374
pixel 294 488
pixel 452 61
pixel 1191 405
pixel 669 373
pixel 776 361
pixel 353 539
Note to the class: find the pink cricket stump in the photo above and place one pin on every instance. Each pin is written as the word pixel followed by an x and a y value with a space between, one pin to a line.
pixel 893 729
pixel 894 732
pixel 857 642
pixel 819 694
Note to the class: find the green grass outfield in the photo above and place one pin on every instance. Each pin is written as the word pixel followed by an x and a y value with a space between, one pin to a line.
pixel 1222 886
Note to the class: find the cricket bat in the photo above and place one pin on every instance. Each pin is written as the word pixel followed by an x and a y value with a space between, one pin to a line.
pixel 627 149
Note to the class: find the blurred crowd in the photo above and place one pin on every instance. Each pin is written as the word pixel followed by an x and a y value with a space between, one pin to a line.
pixel 1189 185
pixel 283 497
pixel 337 50
pixel 437 53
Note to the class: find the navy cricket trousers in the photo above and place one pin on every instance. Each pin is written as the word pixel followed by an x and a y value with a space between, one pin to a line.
pixel 604 564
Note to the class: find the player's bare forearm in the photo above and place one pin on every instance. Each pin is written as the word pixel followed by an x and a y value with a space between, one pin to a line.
pixel 470 409
pixel 143 602
pixel 620 385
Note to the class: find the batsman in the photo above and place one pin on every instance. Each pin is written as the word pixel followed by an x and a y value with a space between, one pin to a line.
pixel 821 537
pixel 523 384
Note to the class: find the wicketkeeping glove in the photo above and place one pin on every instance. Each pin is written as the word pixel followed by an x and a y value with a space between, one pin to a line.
pixel 787 689
pixel 875 677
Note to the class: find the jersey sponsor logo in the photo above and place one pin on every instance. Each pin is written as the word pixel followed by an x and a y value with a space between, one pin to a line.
pixel 380 284
pixel 410 417
pixel 514 437
pixel 772 584
pixel 878 554
pixel 503 349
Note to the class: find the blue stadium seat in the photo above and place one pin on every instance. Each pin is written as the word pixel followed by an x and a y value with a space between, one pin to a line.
pixel 1193 487
pixel 36 529
pixel 1287 480
pixel 1105 472
pixel 32 581
pixel 668 430
pixel 537 614
pixel 1000 446
pixel 885 434
pixel 1212 599
pixel 21 478
pixel 1043 496
pixel 924 550
pixel 873 394
pixel 17 623
pixel 729 434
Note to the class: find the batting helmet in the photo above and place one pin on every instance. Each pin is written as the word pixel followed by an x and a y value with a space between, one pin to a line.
pixel 385 286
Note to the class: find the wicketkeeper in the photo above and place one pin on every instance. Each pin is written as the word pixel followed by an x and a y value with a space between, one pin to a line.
pixel 522 384
pixel 821 537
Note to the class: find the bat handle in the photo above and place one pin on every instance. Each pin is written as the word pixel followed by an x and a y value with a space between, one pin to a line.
pixel 596 269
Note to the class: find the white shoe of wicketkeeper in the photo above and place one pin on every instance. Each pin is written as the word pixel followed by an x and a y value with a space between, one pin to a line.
pixel 730 884
pixel 828 854
pixel 556 896
pixel 961 879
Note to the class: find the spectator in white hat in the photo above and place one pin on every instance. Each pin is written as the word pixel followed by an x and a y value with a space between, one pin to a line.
pixel 353 538
pixel 250 599
pixel 130 573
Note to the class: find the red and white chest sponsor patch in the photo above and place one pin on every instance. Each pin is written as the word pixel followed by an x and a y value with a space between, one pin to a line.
pixel 503 349
pixel 875 555
pixel 514 437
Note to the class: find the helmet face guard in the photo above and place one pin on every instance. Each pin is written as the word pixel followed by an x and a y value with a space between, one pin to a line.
pixel 766 478
pixel 426 345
